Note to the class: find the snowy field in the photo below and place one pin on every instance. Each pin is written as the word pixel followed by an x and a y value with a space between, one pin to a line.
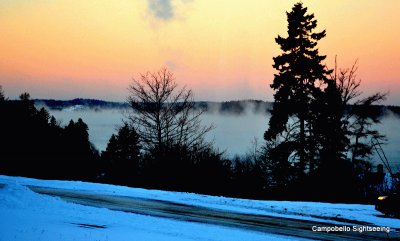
pixel 26 215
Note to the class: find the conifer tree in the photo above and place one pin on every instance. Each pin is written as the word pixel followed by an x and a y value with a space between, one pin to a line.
pixel 122 156
pixel 299 69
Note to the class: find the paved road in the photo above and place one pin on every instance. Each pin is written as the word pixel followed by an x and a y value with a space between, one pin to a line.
pixel 261 223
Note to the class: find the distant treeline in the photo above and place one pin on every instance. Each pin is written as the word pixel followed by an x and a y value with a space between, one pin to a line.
pixel 89 103
pixel 225 107
pixel 234 107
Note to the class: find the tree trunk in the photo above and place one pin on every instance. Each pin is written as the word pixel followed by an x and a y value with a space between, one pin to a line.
pixel 302 144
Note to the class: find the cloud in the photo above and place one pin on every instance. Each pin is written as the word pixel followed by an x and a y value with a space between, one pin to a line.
pixel 166 10
pixel 161 9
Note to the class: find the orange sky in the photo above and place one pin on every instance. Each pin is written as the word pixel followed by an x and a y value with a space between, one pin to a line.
pixel 221 49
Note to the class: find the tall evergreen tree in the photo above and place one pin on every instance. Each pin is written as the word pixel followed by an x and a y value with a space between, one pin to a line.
pixel 299 69
pixel 122 157
pixel 80 156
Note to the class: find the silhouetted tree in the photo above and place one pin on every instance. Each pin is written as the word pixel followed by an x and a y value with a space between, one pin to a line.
pixel 80 156
pixel 359 118
pixel 359 121
pixel 164 115
pixel 122 157
pixel 344 135
pixel 319 125
pixel 53 122
pixel 300 69
pixel 169 127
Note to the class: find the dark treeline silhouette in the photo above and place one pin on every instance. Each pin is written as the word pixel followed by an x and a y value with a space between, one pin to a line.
pixel 33 144
pixel 90 103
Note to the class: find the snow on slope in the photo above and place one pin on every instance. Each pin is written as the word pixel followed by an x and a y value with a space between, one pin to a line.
pixel 288 209
pixel 25 215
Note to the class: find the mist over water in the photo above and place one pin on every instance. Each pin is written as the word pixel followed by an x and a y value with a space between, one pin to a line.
pixel 390 128
pixel 233 133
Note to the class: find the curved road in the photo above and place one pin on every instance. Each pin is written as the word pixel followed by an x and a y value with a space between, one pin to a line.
pixel 260 223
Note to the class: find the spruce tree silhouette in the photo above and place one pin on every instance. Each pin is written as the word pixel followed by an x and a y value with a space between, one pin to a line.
pixel 122 157
pixel 299 68
pixel 81 158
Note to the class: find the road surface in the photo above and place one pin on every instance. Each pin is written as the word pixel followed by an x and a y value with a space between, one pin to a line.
pixel 260 223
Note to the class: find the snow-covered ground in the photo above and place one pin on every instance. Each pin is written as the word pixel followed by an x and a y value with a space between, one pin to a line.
pixel 26 215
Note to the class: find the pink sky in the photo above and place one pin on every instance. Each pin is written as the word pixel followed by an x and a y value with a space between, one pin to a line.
pixel 223 50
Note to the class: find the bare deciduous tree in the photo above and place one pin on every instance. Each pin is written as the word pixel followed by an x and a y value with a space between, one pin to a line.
pixel 163 114
pixel 358 121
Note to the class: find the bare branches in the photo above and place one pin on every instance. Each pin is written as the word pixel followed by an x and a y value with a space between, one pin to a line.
pixel 349 86
pixel 372 99
pixel 359 118
pixel 163 114
pixel 347 82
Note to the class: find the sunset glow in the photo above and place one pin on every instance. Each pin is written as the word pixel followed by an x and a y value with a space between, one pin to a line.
pixel 223 50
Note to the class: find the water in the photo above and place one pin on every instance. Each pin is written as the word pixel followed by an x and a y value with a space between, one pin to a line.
pixel 233 134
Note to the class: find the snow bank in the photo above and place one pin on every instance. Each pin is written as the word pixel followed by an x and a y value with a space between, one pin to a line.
pixel 337 213
pixel 25 215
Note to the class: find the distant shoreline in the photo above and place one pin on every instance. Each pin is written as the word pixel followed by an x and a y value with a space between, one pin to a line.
pixel 233 106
